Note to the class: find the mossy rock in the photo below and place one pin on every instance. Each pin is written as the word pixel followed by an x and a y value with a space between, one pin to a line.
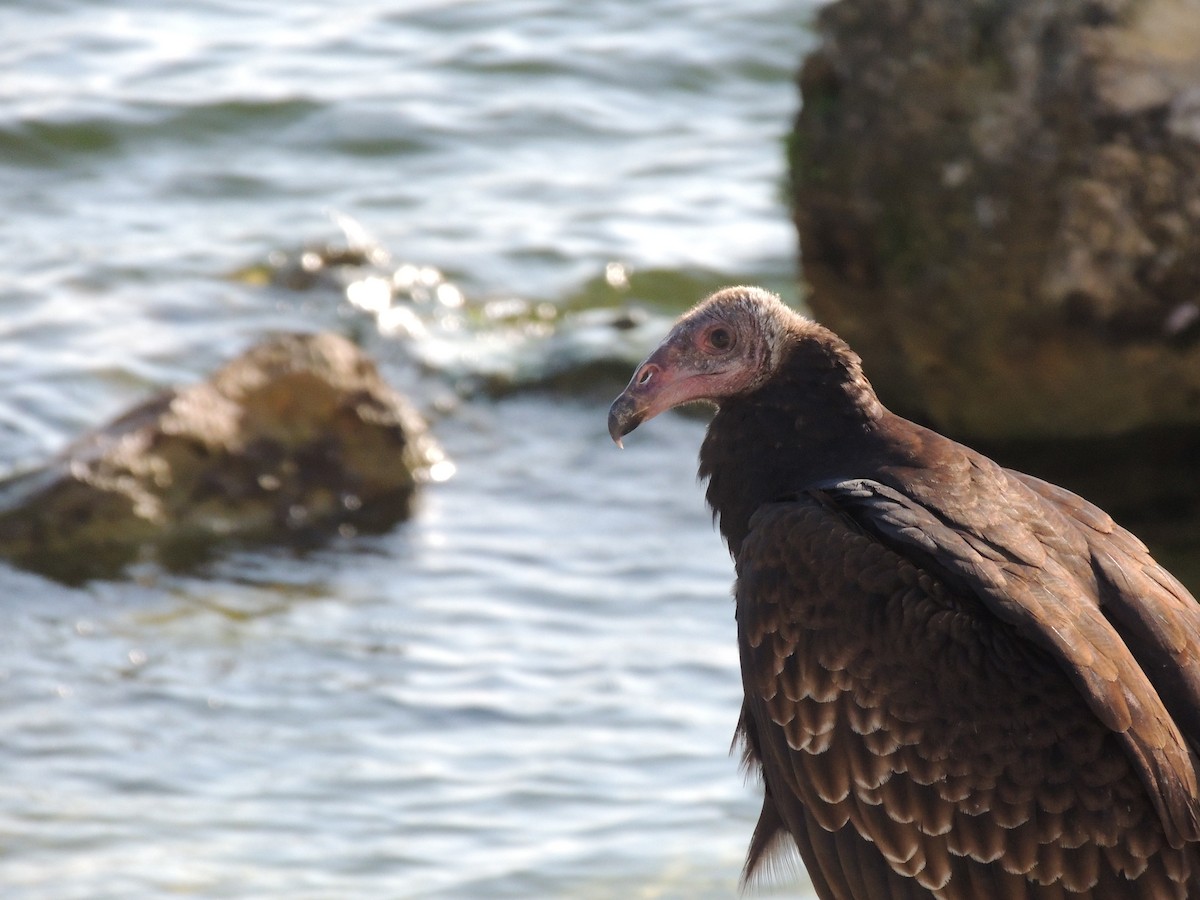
pixel 998 205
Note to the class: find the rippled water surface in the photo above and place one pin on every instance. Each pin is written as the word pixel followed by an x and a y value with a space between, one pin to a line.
pixel 529 689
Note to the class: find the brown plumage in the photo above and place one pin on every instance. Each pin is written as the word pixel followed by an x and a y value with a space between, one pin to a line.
pixel 960 681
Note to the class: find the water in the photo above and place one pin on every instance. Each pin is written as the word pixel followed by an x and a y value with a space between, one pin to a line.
pixel 529 689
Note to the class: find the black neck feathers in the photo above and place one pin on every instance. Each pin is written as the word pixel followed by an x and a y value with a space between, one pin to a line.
pixel 808 422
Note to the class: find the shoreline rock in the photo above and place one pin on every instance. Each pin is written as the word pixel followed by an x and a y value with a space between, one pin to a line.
pixel 998 205
pixel 291 441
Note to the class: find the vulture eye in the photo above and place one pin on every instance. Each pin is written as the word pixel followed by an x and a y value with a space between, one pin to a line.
pixel 720 338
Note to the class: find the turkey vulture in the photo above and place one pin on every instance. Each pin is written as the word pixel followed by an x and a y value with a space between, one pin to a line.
pixel 960 681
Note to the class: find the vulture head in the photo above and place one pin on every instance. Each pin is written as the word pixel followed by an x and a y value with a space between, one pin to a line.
pixel 728 345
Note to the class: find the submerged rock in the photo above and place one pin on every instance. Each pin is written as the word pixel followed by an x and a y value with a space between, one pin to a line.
pixel 296 438
pixel 998 204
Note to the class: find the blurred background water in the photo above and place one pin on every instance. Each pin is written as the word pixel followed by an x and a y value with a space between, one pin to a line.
pixel 529 689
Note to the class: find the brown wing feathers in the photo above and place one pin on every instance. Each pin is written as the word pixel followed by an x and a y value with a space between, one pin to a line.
pixel 1058 608
pixel 999 767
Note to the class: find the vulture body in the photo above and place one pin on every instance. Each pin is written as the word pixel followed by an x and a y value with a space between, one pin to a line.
pixel 960 681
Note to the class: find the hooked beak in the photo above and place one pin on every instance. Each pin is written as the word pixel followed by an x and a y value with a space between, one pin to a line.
pixel 623 416
pixel 667 378
pixel 641 398
pixel 629 409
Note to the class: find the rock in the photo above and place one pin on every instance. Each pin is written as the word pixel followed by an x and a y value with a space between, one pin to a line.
pixel 998 204
pixel 296 438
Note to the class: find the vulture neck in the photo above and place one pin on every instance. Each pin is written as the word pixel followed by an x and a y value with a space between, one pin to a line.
pixel 815 418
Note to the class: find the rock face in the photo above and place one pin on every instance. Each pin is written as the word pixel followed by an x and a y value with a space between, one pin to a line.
pixel 295 438
pixel 998 204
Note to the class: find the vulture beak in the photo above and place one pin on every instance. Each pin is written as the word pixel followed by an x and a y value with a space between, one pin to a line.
pixel 651 391
pixel 623 416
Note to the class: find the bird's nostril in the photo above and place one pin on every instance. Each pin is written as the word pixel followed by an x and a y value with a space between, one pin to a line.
pixel 646 374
